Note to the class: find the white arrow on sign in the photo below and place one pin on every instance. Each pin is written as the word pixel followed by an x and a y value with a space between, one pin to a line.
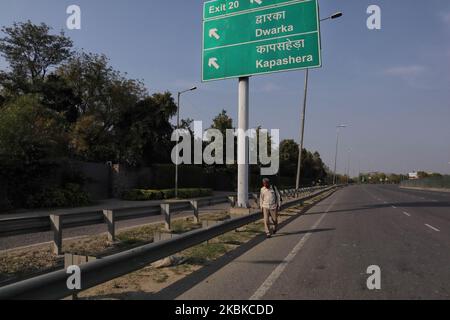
pixel 213 63
pixel 256 1
pixel 213 33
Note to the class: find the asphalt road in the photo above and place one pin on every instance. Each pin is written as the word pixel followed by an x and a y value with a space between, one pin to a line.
pixel 325 253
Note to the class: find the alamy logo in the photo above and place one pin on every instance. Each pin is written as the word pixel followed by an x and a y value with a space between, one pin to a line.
pixel 263 147
pixel 374 20
pixel 74 280
pixel 74 20
pixel 374 281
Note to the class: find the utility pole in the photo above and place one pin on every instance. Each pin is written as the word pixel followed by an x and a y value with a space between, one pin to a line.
pixel 302 131
pixel 337 150
pixel 348 166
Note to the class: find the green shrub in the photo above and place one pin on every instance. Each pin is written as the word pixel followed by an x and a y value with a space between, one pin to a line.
pixel 142 195
pixel 75 196
pixel 145 195
pixel 206 192
pixel 168 193
pixel 194 193
pixel 71 195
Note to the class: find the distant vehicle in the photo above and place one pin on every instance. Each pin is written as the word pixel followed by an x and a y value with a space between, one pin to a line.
pixel 413 176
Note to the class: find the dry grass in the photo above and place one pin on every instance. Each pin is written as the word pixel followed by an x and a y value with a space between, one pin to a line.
pixel 16 264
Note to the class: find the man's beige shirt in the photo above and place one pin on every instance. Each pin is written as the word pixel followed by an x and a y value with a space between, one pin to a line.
pixel 269 199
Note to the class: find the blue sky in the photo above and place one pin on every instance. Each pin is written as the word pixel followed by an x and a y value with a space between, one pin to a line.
pixel 391 86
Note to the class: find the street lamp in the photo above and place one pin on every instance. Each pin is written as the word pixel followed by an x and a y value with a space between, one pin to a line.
pixel 178 127
pixel 333 16
pixel 302 131
pixel 348 166
pixel 337 150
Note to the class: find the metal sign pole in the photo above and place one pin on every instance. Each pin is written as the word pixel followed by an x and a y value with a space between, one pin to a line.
pixel 243 147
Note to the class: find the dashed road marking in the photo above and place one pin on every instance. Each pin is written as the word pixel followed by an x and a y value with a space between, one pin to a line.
pixel 433 228
pixel 406 214
pixel 273 277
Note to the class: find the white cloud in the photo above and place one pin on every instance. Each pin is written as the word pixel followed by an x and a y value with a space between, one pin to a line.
pixel 413 75
pixel 271 87
pixel 405 71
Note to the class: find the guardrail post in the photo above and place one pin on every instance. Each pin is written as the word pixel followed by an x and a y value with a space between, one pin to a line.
pixel 55 221
pixel 255 197
pixel 194 204
pixel 111 223
pixel 165 210
pixel 232 200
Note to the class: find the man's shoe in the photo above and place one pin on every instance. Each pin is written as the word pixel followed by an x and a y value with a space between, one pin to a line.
pixel 268 236
pixel 275 230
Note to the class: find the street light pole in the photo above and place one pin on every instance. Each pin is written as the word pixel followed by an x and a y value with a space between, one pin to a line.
pixel 178 128
pixel 348 166
pixel 302 130
pixel 337 150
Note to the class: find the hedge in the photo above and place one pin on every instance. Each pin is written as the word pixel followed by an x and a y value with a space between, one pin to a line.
pixel 146 195
pixel 71 195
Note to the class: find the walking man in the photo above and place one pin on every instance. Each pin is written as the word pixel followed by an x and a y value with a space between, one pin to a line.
pixel 270 204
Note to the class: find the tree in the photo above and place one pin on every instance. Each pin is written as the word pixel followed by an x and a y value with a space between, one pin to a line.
pixel 313 168
pixel 101 89
pixel 31 52
pixel 29 132
pixel 143 132
pixel 108 104
pixel 222 122
pixel 288 157
pixel 56 94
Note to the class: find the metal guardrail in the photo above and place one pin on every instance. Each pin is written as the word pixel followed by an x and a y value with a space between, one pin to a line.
pixel 54 285
pixel 20 226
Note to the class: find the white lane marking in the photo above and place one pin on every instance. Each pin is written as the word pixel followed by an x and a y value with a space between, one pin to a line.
pixel 406 214
pixel 273 277
pixel 394 207
pixel 433 228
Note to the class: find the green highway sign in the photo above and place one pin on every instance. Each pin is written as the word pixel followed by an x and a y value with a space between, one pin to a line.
pixel 283 35
pixel 291 19
pixel 218 8
pixel 263 57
